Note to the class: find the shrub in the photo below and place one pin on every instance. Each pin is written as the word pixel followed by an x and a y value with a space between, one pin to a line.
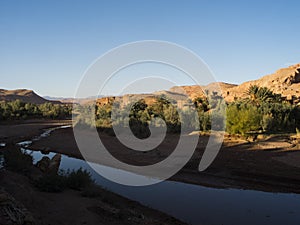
pixel 79 179
pixel 76 179
pixel 243 118
pixel 18 161
pixel 51 183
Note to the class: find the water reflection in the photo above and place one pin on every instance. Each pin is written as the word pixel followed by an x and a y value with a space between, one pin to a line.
pixel 49 165
pixel 2 144
pixel 1 160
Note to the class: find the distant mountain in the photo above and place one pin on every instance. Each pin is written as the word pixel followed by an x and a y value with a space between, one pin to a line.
pixel 285 81
pixel 72 100
pixel 61 99
pixel 24 95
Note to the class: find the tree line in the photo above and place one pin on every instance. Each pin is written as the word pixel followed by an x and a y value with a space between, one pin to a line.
pixel 162 112
pixel 17 109
pixel 262 112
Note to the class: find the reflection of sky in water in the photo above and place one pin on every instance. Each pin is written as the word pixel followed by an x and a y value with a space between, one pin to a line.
pixel 1 155
pixel 202 205
pixel 1 160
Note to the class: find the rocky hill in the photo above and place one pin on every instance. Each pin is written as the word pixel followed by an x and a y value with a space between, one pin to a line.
pixel 285 81
pixel 194 91
pixel 24 95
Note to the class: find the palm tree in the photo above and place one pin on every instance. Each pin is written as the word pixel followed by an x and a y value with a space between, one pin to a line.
pixel 262 94
pixel 252 91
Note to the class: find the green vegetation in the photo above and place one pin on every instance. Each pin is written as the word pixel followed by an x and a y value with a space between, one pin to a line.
pixel 20 110
pixel 162 112
pixel 262 112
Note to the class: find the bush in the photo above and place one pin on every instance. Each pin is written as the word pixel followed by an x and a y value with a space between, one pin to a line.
pixel 51 183
pixel 79 179
pixel 243 118
pixel 17 161
pixel 76 179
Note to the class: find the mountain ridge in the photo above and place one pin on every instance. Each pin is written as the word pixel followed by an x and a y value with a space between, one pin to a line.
pixel 285 81
pixel 24 95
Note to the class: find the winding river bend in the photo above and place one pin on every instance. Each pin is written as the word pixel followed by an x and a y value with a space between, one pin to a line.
pixel 195 204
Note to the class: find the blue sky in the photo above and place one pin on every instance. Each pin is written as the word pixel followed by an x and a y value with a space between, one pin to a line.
pixel 47 45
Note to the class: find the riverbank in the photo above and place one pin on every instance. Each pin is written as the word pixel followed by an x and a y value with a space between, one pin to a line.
pixel 16 131
pixel 96 206
pixel 90 206
pixel 270 164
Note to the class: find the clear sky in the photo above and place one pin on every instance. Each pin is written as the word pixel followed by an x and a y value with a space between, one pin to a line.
pixel 47 45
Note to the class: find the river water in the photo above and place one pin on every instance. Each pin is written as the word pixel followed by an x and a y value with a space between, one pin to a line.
pixel 195 204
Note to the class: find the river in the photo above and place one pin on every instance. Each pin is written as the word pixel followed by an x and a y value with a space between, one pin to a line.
pixel 196 204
